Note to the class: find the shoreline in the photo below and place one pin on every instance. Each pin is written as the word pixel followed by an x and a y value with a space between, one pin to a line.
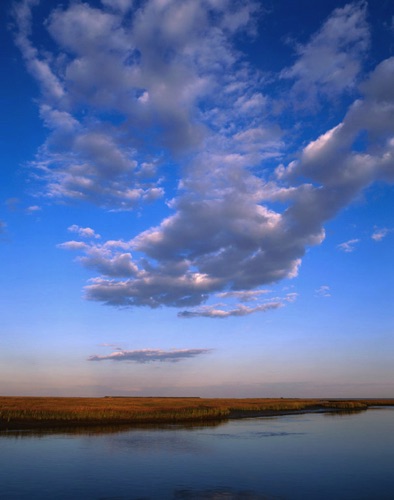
pixel 29 413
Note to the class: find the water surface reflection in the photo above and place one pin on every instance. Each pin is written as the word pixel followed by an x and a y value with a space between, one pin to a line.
pixel 289 457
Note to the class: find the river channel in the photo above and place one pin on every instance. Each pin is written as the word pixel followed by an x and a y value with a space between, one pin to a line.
pixel 310 456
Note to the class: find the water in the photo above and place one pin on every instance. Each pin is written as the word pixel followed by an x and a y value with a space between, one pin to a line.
pixel 312 456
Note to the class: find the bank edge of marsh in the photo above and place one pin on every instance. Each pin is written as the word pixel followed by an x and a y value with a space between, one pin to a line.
pixel 23 413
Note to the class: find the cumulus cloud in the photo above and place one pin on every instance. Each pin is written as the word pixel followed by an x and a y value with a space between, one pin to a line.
pixel 348 246
pixel 339 172
pixel 150 355
pixel 84 232
pixel 121 88
pixel 135 90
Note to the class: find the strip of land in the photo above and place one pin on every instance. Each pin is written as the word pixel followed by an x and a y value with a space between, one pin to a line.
pixel 50 412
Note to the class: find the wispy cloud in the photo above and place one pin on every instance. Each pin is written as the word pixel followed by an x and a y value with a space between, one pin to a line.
pixel 241 310
pixel 33 209
pixel 222 311
pixel 331 62
pixel 323 291
pixel 244 295
pixel 348 246
pixel 151 355
pixel 72 245
pixel 15 205
pixel 291 297
pixel 379 234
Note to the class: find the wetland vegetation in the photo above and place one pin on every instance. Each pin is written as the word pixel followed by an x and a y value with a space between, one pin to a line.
pixel 37 412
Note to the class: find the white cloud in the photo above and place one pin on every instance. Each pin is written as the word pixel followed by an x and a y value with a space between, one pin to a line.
pixel 244 296
pixel 348 246
pixel 121 5
pixel 338 172
pixel 117 92
pixel 323 291
pixel 109 264
pixel 378 83
pixel 225 310
pixel 150 355
pixel 379 234
pixel 73 245
pixel 291 297
pixel 240 310
pixel 330 63
pixel 84 232
pixel 38 66
pixel 132 91
pixel 109 258
pixel 33 209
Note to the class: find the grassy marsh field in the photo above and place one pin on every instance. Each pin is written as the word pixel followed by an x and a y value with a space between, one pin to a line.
pixel 36 412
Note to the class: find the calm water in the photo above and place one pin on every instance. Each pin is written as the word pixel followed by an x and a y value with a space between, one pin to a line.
pixel 317 456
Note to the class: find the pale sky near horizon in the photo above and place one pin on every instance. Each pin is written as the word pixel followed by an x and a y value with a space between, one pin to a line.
pixel 197 198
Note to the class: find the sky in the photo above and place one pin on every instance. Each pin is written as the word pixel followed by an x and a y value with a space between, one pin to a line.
pixel 197 198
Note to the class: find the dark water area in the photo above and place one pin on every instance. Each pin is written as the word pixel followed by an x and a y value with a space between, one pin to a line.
pixel 311 456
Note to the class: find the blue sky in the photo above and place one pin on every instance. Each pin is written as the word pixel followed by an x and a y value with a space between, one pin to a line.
pixel 197 198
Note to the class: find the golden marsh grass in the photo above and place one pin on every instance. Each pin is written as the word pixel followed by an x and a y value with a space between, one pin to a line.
pixel 22 412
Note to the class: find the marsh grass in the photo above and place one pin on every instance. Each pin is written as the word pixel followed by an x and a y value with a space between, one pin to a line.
pixel 25 412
